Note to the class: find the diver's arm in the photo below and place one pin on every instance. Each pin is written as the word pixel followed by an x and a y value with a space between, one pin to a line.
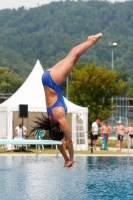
pixel 60 117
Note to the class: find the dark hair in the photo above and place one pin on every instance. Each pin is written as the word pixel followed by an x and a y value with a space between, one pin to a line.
pixel 55 133
pixel 43 123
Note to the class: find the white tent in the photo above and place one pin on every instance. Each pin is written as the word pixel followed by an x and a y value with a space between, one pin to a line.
pixel 31 93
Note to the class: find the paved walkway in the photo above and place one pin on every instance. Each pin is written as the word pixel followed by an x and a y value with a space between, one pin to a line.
pixel 115 149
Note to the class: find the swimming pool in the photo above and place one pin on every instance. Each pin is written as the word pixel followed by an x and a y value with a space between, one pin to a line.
pixel 99 178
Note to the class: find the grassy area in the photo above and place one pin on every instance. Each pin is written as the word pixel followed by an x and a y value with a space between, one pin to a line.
pixel 111 143
pixel 53 151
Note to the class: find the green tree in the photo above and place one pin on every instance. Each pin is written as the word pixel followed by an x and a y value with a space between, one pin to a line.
pixel 9 82
pixel 48 32
pixel 123 76
pixel 129 92
pixel 94 87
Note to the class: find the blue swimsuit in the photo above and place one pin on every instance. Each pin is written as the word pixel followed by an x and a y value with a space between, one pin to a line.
pixel 48 81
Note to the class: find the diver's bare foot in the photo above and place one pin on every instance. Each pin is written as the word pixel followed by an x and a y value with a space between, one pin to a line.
pixel 68 163
pixel 95 38
pixel 70 166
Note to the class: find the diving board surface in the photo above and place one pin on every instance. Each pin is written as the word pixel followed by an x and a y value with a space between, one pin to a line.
pixel 23 141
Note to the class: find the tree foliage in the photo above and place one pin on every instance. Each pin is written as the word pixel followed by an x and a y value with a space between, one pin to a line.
pixel 9 82
pixel 48 32
pixel 93 87
pixel 129 91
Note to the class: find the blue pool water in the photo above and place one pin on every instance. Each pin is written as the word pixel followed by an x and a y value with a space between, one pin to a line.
pixel 92 178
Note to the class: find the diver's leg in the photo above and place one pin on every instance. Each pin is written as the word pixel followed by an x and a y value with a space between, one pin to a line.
pixel 68 162
pixel 62 69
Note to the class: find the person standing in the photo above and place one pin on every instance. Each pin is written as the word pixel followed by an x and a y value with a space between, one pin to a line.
pixel 106 130
pixel 95 132
pixel 120 132
pixel 20 131
pixel 39 134
pixel 130 132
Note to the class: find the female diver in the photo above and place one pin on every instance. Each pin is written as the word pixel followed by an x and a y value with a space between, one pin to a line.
pixel 55 121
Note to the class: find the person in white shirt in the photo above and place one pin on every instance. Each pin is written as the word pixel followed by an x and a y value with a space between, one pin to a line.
pixel 20 131
pixel 95 132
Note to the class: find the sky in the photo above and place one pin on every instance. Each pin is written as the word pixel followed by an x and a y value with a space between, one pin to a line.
pixel 19 3
pixel 27 3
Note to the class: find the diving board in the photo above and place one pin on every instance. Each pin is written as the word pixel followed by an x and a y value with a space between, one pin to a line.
pixel 36 142
pixel 21 141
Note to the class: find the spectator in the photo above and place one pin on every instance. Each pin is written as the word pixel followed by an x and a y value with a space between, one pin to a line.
pixel 106 130
pixel 95 132
pixel 130 132
pixel 39 134
pixel 120 132
pixel 20 131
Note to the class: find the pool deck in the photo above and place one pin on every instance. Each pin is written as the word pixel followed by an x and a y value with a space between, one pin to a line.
pixel 76 155
pixel 116 149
